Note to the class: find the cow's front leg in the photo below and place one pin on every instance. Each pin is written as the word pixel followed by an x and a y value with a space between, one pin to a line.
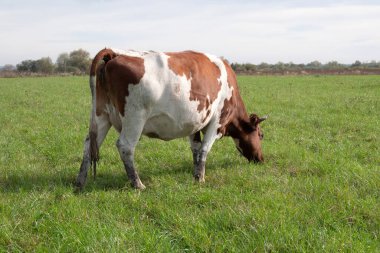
pixel 210 135
pixel 200 167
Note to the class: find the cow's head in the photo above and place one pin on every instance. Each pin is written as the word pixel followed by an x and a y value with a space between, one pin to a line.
pixel 248 141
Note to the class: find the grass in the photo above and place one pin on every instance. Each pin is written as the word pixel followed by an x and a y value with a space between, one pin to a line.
pixel 318 191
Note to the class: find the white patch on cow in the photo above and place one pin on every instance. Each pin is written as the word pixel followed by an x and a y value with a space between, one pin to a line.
pixel 103 123
pixel 130 52
pixel 114 116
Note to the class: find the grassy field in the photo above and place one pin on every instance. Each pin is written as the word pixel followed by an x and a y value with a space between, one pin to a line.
pixel 318 191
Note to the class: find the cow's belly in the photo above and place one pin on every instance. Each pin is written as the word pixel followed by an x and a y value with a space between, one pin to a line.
pixel 165 126
pixel 167 120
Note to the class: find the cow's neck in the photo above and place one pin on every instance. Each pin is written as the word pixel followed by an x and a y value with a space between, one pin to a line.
pixel 236 127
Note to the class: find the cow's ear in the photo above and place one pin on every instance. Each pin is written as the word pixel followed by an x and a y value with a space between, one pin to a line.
pixel 255 120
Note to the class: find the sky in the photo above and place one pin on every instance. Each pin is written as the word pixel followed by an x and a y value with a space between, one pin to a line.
pixel 240 30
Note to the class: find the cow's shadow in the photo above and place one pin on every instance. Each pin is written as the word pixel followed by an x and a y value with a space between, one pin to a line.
pixel 105 180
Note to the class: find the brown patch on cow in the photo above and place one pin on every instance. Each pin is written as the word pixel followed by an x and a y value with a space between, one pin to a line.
pixel 101 90
pixel 203 73
pixel 121 72
pixel 226 116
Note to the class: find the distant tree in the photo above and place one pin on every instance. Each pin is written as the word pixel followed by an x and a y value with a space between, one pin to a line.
pixel 301 66
pixel 263 66
pixel 333 65
pixel 314 65
pixel 356 64
pixel 249 67
pixel 62 62
pixel 79 60
pixel 371 64
pixel 27 66
pixel 8 67
pixel 279 66
pixel 44 65
pixel 237 67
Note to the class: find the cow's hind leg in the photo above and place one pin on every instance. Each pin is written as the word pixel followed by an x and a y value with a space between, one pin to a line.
pixel 102 125
pixel 195 144
pixel 129 137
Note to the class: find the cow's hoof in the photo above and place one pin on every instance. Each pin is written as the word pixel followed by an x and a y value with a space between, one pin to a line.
pixel 199 179
pixel 138 185
pixel 80 182
pixel 78 188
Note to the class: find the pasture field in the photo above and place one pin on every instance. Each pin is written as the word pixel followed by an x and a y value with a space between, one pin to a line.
pixel 318 190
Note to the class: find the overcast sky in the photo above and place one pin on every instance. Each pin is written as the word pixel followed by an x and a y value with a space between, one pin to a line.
pixel 241 31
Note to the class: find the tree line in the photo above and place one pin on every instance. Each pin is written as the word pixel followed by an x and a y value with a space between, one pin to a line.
pixel 312 67
pixel 78 62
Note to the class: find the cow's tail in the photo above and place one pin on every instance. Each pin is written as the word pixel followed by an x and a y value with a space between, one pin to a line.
pixel 105 55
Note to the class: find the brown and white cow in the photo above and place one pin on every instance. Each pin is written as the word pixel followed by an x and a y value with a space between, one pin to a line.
pixel 166 96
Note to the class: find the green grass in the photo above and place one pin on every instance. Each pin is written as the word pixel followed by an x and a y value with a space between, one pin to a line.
pixel 318 190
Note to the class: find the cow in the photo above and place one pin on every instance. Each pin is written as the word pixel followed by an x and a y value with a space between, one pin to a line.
pixel 166 96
